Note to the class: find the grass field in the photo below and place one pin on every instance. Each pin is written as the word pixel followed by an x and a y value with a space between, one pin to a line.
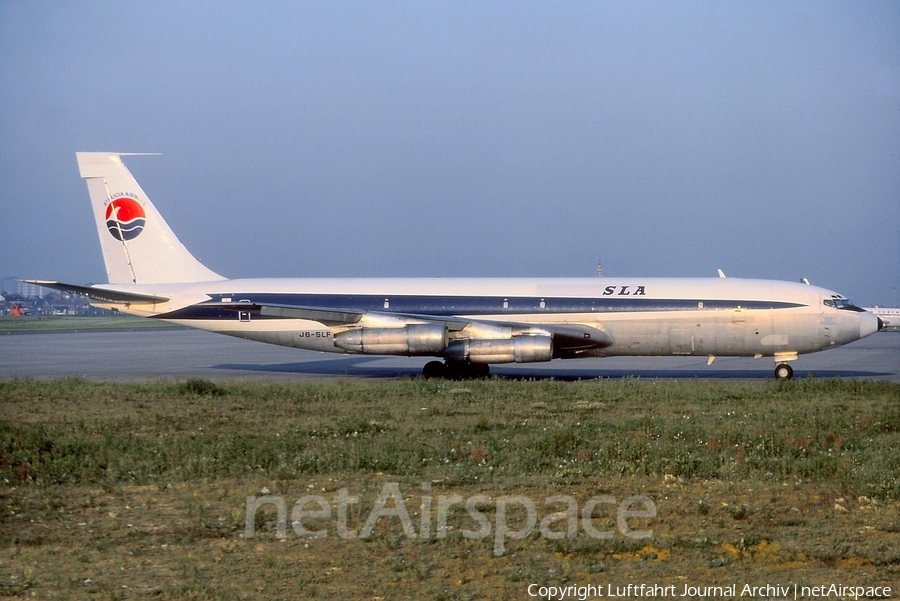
pixel 120 491
pixel 62 323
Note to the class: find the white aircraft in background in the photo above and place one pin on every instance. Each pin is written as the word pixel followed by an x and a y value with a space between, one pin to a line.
pixel 469 323
pixel 889 316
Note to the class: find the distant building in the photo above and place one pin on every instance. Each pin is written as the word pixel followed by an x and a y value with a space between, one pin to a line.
pixel 10 286
pixel 19 298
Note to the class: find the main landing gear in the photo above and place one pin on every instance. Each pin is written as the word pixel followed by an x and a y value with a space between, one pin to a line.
pixel 455 370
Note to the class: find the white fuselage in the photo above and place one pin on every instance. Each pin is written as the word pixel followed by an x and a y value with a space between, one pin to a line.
pixel 470 323
pixel 890 316
pixel 641 316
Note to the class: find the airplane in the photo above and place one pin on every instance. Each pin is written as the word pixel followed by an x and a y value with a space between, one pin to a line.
pixel 466 324
pixel 890 316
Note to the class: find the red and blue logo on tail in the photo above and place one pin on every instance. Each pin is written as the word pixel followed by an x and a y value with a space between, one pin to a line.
pixel 125 218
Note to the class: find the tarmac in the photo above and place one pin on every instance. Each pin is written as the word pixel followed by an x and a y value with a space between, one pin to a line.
pixel 179 354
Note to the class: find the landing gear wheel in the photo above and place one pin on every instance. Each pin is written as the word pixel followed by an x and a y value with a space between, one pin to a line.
pixel 479 370
pixel 455 370
pixel 783 371
pixel 435 370
pixel 463 370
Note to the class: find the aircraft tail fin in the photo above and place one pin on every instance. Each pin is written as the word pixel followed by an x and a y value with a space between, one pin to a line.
pixel 138 245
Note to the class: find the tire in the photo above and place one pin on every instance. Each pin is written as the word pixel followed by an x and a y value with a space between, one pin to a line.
pixel 463 370
pixel 783 371
pixel 435 370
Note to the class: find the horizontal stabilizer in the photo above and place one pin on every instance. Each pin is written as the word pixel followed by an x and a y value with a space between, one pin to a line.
pixel 101 294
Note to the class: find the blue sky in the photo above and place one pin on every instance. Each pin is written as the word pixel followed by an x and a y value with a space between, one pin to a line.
pixel 464 138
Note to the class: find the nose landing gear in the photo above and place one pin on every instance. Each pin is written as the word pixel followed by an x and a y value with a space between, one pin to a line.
pixel 783 371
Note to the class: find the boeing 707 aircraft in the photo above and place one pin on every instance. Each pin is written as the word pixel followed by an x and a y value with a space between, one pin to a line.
pixel 467 323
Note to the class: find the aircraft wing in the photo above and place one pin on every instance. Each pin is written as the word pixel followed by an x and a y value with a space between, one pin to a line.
pixel 331 317
pixel 568 338
pixel 101 294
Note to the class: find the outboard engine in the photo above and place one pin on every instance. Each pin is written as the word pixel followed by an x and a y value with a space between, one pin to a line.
pixel 525 348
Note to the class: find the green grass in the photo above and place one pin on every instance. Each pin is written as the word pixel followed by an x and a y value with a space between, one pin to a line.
pixel 78 432
pixel 137 490
pixel 55 323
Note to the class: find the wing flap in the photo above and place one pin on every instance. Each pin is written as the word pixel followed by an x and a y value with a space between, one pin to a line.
pixel 332 317
pixel 329 317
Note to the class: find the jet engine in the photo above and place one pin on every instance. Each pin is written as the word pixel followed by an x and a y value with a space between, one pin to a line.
pixel 525 348
pixel 414 339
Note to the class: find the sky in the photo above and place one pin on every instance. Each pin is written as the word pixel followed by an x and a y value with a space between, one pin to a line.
pixel 380 139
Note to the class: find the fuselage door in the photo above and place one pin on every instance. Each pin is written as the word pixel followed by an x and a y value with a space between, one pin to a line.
pixel 244 315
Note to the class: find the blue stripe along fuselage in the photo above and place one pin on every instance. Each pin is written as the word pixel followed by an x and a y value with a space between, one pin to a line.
pixel 448 306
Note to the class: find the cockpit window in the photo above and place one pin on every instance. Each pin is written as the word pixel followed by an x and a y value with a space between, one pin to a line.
pixel 839 302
